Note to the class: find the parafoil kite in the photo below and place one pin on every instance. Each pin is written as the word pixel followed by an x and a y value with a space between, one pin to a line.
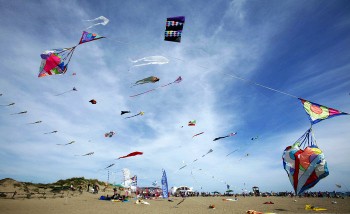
pixel 192 123
pixel 102 21
pixel 150 79
pixel 178 80
pixel 109 134
pixel 56 61
pixel 150 60
pixel 141 113
pixel 131 154
pixel 73 89
pixel 317 112
pixel 229 135
pixel 173 28
pixel 304 163
pixel 93 101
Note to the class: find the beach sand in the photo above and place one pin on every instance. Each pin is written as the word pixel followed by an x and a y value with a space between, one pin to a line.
pixel 89 203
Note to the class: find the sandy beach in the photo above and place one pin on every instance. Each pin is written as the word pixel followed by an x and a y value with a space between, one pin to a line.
pixel 75 203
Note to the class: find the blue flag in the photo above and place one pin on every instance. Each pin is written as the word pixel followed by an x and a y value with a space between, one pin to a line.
pixel 165 185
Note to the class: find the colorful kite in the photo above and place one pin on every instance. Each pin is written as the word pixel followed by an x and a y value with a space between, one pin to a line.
pixel 150 60
pixel 197 134
pixel 56 61
pixel 11 104
pixel 93 101
pixel 109 134
pixel 36 122
pixel 66 143
pixel 131 154
pixel 51 132
pixel 124 112
pixel 74 89
pixel 178 80
pixel 102 21
pixel 230 135
pixel 150 79
pixel 173 29
pixel 317 112
pixel 141 113
pixel 192 123
pixel 22 112
pixel 304 163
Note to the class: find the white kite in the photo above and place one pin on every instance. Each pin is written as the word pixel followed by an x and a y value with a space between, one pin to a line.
pixel 150 60
pixel 103 21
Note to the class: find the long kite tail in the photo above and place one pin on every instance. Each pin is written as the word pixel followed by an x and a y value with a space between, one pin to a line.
pixel 144 92
pixel 132 116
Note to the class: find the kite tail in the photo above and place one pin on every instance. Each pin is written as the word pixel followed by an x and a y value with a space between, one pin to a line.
pixel 63 93
pixel 133 116
pixel 143 92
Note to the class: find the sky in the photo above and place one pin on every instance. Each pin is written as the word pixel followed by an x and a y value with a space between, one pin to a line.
pixel 299 48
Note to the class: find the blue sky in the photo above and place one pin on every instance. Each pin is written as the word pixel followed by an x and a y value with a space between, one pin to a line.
pixel 301 48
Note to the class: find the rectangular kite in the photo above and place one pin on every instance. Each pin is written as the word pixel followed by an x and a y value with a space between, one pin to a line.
pixel 173 30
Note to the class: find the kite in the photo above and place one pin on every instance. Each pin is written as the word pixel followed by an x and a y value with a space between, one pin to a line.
pixel 109 134
pixel 131 154
pixel 93 101
pixel 192 123
pixel 103 21
pixel 151 79
pixel 11 104
pixel 183 167
pixel 56 61
pixel 178 80
pixel 173 29
pixel 304 163
pixel 90 153
pixel 22 112
pixel 255 138
pixel 141 113
pixel 197 134
pixel 246 155
pixel 36 122
pixel 154 183
pixel 66 143
pixel 110 166
pixel 208 152
pixel 124 112
pixel 317 112
pixel 150 60
pixel 74 89
pixel 232 152
pixel 230 135
pixel 51 132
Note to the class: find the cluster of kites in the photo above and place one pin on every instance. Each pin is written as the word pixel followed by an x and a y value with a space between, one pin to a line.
pixel 303 161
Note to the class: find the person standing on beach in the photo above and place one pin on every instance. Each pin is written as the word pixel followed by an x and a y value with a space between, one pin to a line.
pixel 88 187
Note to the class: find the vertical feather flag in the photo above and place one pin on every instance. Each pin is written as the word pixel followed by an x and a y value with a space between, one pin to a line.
pixel 165 185
pixel 318 112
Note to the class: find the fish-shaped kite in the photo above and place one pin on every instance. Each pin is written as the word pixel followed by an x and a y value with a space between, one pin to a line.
pixel 131 154
pixel 178 80
pixel 151 79
pixel 229 135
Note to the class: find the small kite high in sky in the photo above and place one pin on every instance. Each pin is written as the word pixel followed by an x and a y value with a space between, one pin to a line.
pixel 178 80
pixel 93 101
pixel 197 134
pixel 124 112
pixel 11 104
pixel 22 112
pixel 151 79
pixel 210 151
pixel 304 163
pixel 173 28
pixel 192 123
pixel 150 60
pixel 36 122
pixel 102 21
pixel 90 153
pixel 56 61
pixel 110 165
pixel 255 138
pixel 317 112
pixel 73 89
pixel 131 154
pixel 51 132
pixel 66 143
pixel 229 135
pixel 141 113
pixel 109 134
